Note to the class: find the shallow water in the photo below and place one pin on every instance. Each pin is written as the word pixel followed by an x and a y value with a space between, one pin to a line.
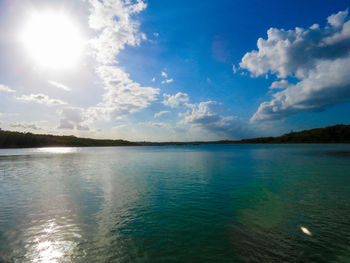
pixel 209 203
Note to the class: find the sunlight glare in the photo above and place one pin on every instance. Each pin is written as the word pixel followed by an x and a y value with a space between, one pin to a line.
pixel 57 150
pixel 52 40
pixel 306 231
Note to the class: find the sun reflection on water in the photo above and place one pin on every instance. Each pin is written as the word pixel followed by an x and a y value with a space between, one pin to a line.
pixel 52 242
pixel 57 150
pixel 306 231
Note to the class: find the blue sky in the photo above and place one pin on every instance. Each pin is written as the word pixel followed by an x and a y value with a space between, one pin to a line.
pixel 173 70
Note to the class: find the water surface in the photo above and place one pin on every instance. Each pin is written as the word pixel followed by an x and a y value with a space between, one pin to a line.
pixel 209 203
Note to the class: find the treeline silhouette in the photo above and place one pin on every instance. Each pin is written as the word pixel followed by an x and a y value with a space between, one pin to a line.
pixel 10 139
pixel 332 134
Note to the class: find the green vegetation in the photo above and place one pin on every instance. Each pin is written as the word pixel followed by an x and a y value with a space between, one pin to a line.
pixel 9 139
pixel 331 134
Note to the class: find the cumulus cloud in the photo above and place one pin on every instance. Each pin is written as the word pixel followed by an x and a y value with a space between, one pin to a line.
pixel 59 85
pixel 41 99
pixel 73 117
pixel 122 96
pixel 161 113
pixel 31 126
pixel 114 22
pixel 208 115
pixel 326 85
pixel 337 20
pixel 282 84
pixel 296 52
pixel 164 74
pixel 204 112
pixel 112 19
pixel 173 101
pixel 317 57
pixel 4 88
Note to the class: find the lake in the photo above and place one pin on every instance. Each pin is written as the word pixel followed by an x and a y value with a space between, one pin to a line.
pixel 207 203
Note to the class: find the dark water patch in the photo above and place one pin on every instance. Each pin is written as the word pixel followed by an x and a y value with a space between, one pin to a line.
pixel 340 154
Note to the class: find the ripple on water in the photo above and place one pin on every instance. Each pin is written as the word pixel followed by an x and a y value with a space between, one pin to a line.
pixel 241 203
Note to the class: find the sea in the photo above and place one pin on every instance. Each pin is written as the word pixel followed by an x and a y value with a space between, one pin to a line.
pixel 194 203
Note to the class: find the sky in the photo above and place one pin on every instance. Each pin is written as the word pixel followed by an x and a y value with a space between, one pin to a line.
pixel 173 70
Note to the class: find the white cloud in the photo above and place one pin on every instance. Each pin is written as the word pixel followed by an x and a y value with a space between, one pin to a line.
pixel 176 100
pixel 161 113
pixel 82 127
pixel 114 22
pixel 59 85
pixel 204 112
pixel 208 115
pixel 165 75
pixel 5 88
pixel 41 99
pixel 73 117
pixel 122 96
pixel 65 124
pixel 31 126
pixel 167 81
pixel 296 52
pixel 319 58
pixel 326 85
pixel 156 34
pixel 112 19
pixel 282 84
pixel 234 69
pixel 338 19
pixel 153 79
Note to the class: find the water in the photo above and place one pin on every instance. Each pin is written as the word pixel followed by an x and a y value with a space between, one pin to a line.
pixel 228 203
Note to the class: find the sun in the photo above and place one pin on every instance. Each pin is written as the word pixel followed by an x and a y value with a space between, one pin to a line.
pixel 52 40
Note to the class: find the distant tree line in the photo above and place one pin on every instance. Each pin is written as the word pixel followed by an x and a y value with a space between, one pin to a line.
pixel 332 134
pixel 10 139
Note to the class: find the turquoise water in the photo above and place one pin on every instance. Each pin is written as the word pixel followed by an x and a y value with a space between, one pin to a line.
pixel 210 203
